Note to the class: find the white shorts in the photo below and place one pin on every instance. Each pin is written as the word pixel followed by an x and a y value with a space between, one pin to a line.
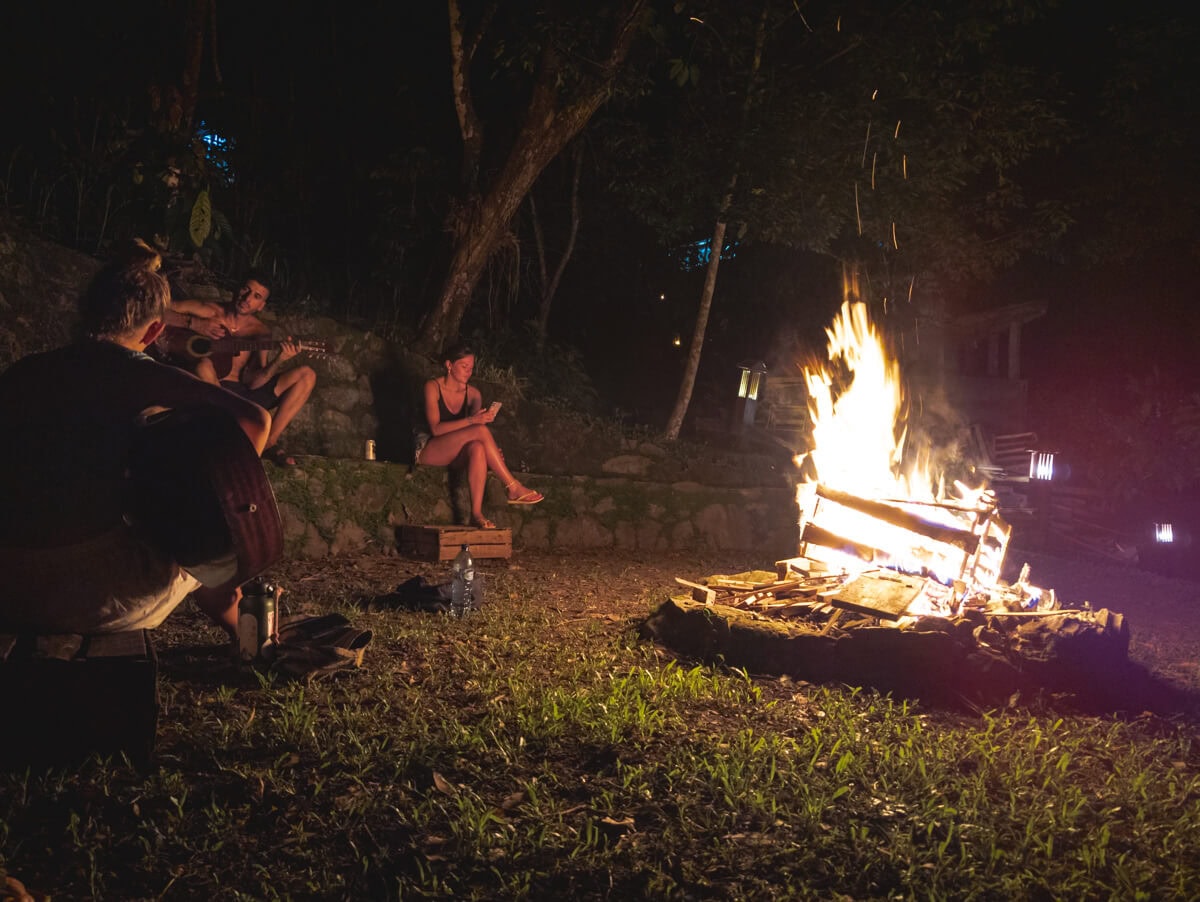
pixel 108 584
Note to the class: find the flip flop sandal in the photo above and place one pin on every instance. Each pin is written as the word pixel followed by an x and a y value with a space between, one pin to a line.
pixel 483 522
pixel 531 497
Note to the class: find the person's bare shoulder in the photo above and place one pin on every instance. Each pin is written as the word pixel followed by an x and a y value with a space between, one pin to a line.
pixel 252 327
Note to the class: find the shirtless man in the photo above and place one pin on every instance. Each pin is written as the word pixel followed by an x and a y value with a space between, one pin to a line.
pixel 71 562
pixel 283 392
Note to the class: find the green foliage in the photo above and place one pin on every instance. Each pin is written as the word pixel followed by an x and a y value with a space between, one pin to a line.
pixel 893 136
pixel 1133 177
pixel 550 372
pixel 200 224
pixel 1118 438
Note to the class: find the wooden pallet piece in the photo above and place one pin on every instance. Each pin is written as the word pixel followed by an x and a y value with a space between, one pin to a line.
pixel 442 543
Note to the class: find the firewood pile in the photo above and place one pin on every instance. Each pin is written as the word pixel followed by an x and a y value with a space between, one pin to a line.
pixel 894 631
pixel 949 627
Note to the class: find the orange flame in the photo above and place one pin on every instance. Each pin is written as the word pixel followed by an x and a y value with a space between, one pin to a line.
pixel 859 428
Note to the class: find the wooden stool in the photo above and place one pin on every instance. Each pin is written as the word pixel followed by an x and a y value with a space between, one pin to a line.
pixel 64 697
pixel 441 543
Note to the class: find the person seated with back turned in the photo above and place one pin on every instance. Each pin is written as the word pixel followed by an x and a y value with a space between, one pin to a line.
pixel 459 436
pixel 248 373
pixel 70 561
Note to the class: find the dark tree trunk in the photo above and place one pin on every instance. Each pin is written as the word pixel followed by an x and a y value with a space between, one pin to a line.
pixel 550 286
pixel 481 223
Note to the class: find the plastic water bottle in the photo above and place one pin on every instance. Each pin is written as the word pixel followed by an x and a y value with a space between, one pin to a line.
pixel 462 589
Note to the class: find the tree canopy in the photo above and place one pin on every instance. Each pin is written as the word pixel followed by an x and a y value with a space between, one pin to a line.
pixel 933 143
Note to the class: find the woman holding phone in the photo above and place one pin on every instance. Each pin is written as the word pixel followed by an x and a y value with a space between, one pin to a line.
pixel 458 433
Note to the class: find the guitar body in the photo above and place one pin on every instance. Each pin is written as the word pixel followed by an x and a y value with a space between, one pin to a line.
pixel 198 492
pixel 186 348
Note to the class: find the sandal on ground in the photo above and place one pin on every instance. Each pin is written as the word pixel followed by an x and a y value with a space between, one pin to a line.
pixel 482 523
pixel 276 455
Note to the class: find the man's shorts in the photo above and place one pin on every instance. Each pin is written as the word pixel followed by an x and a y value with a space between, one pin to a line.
pixel 264 396
pixel 110 583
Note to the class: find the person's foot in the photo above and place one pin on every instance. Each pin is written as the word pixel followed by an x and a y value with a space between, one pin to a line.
pixel 276 455
pixel 518 494
pixel 482 522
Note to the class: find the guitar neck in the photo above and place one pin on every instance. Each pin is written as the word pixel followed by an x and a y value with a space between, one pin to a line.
pixel 237 345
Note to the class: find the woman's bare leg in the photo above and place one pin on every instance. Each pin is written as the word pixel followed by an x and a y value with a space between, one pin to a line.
pixel 443 450
pixel 477 473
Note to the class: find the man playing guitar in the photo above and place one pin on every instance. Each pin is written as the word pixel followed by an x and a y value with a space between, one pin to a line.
pixel 249 373
pixel 73 560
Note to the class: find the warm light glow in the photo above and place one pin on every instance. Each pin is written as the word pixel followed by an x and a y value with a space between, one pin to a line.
pixel 866 504
pixel 856 447
pixel 1164 533
pixel 1041 465
pixel 677 341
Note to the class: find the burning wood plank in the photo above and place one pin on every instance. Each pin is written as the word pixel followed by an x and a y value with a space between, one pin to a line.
pixel 970 547
pixel 963 539
pixel 885 594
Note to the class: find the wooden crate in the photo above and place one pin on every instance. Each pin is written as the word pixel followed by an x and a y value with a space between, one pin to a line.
pixel 64 697
pixel 442 543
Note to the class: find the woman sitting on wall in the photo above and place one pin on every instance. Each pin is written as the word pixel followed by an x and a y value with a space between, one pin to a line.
pixel 458 434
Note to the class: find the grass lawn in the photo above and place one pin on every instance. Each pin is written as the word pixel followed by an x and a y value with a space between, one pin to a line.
pixel 541 750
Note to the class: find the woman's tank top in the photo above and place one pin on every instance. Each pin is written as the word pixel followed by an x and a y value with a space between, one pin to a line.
pixel 444 411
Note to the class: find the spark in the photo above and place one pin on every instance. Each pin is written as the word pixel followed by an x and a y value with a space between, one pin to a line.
pixel 857 212
pixel 895 243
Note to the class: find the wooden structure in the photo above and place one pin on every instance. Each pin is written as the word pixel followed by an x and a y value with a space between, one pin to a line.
pixel 976 357
pixel 442 543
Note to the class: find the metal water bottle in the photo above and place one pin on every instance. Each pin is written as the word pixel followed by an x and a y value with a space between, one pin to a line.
pixel 256 618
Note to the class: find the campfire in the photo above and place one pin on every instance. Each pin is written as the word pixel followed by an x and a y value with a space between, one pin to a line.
pixel 891 553
pixel 869 516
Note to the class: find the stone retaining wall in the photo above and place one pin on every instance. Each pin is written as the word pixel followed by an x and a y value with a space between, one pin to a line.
pixel 332 506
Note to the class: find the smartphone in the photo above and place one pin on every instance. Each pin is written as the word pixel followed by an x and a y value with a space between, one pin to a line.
pixel 495 407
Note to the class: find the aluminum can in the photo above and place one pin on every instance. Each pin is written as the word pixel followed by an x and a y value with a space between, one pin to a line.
pixel 370 449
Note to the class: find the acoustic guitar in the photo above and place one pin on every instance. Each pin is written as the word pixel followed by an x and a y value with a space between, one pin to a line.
pixel 198 492
pixel 182 345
